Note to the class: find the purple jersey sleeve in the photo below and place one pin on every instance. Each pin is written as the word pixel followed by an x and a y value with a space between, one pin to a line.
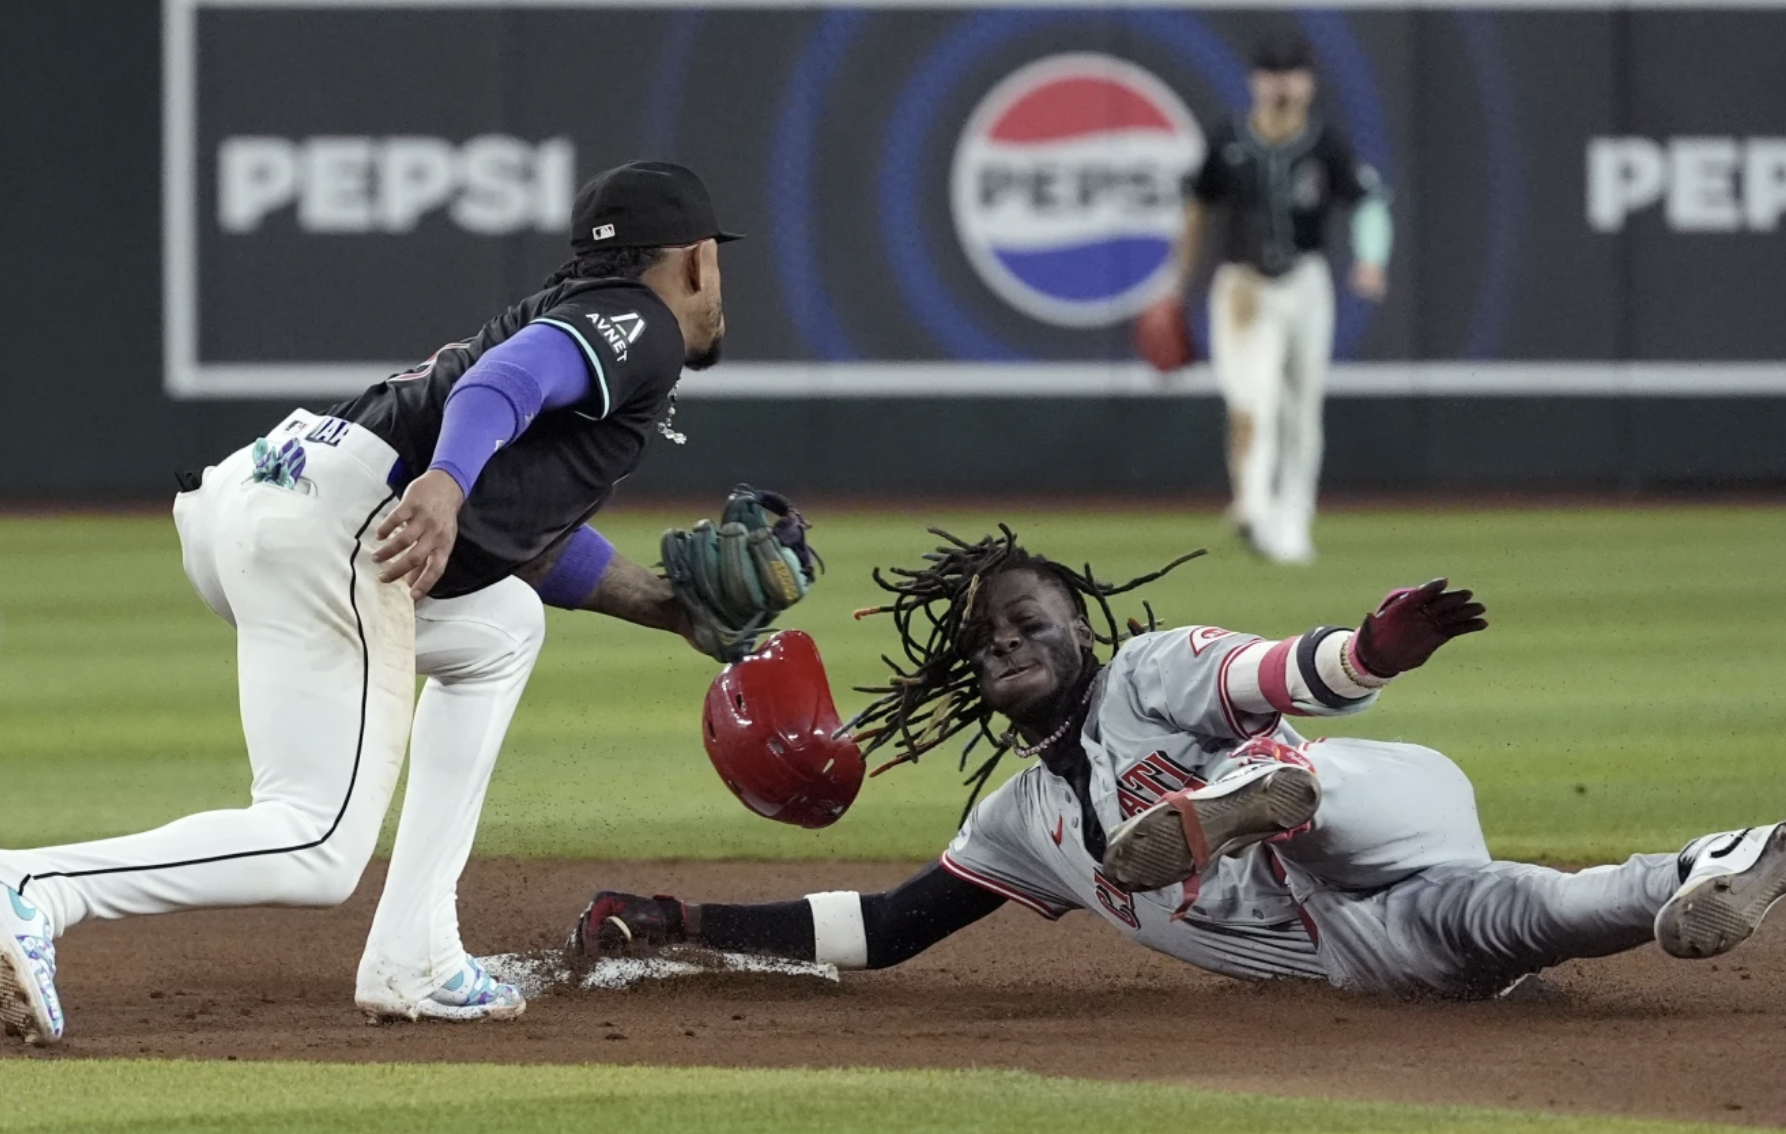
pixel 539 368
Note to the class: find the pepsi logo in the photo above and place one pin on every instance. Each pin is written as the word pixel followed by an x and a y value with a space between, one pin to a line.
pixel 1065 187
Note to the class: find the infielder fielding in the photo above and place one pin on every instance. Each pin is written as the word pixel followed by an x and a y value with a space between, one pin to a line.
pixel 417 529
pixel 1269 182
pixel 1172 799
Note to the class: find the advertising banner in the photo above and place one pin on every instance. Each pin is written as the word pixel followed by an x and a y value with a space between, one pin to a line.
pixel 972 200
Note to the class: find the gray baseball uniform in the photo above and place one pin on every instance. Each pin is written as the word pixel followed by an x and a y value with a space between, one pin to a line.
pixel 1392 890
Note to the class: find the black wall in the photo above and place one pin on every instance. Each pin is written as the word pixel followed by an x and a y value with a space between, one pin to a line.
pixel 81 314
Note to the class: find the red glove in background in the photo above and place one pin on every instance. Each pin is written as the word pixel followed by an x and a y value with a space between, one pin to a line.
pixel 1163 338
pixel 1412 623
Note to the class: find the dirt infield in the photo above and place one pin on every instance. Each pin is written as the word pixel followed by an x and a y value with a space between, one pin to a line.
pixel 1639 1034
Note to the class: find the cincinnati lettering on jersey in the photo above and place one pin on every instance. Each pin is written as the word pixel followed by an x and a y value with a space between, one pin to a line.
pixel 1115 900
pixel 619 331
pixel 1149 781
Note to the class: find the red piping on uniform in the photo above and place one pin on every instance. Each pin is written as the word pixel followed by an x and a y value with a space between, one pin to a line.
pixel 1274 679
pixel 1002 891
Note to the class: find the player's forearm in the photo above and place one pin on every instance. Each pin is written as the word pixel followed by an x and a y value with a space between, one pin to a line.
pixel 1189 247
pixel 1373 231
pixel 1311 675
pixel 844 928
pixel 584 572
pixel 634 594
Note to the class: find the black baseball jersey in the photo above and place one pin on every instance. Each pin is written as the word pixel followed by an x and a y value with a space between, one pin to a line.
pixel 567 462
pixel 1277 196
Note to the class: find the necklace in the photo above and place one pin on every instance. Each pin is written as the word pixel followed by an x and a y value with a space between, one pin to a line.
pixel 667 426
pixel 1024 752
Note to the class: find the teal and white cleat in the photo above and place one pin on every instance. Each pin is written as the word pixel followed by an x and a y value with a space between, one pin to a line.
pixel 473 994
pixel 29 1005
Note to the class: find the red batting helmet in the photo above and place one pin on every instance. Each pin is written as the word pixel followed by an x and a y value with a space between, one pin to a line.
pixel 769 725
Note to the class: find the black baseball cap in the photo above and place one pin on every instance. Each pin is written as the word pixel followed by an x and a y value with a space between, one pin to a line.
pixel 643 204
pixel 1283 51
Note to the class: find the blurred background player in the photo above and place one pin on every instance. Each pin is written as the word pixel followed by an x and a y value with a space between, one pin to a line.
pixel 1270 179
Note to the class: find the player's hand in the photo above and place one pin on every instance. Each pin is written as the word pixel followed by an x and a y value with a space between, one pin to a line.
pixel 614 922
pixel 1163 337
pixel 418 535
pixel 1412 623
pixel 1370 281
pixel 733 579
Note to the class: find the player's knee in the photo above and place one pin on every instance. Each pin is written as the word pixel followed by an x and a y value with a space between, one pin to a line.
pixel 335 869
pixel 322 859
pixel 336 882
pixel 316 877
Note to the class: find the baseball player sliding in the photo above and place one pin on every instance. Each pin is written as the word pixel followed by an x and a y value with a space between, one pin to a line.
pixel 1267 187
pixel 419 528
pixel 1172 799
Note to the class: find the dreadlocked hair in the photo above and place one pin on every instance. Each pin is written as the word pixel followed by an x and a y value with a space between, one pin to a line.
pixel 934 695
pixel 609 263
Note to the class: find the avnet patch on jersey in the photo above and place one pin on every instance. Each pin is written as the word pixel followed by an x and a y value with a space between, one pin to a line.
pixel 618 331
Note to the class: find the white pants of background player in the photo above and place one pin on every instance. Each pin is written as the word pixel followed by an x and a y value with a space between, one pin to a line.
pixel 326 658
pixel 1270 342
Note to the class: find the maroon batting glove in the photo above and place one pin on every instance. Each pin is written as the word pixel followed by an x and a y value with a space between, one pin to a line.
pixel 1412 623
pixel 614 923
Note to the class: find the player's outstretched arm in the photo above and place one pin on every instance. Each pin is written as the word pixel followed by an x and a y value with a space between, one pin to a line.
pixel 1411 624
pixel 584 572
pixel 842 928
pixel 722 585
pixel 1211 681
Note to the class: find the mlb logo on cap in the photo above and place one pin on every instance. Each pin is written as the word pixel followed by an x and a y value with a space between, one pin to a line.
pixel 602 232
pixel 1065 187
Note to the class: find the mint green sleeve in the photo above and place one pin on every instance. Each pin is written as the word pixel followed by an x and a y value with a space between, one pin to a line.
pixel 1373 233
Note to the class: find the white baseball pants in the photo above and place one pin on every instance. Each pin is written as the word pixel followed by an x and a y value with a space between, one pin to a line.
pixel 326 659
pixel 1270 344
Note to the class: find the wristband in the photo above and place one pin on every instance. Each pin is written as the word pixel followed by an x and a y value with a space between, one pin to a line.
pixel 579 570
pixel 839 935
pixel 1356 671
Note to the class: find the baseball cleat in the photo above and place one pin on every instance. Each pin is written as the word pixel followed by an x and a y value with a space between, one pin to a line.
pixel 1729 882
pixel 1187 830
pixel 29 1005
pixel 472 994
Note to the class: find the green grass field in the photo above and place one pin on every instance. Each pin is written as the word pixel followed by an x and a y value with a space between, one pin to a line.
pixel 1626 698
pixel 299 1098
